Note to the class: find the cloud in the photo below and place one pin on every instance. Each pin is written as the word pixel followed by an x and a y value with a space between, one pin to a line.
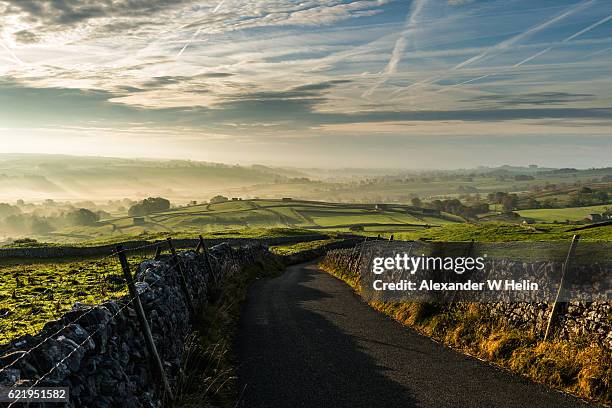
pixel 536 98
pixel 25 37
pixel 128 16
pixel 69 12
pixel 322 85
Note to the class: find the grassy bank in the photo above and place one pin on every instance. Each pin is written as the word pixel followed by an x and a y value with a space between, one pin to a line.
pixel 210 365
pixel 581 367
pixel 301 246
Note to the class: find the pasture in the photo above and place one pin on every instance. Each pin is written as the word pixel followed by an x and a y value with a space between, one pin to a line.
pixel 563 214
pixel 253 219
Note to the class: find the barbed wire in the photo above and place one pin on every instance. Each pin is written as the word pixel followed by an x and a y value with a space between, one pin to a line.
pixel 80 345
pixel 28 352
pixel 74 350
pixel 232 259
pixel 102 275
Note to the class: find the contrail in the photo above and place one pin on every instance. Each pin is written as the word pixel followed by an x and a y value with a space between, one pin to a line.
pixel 599 52
pixel 537 54
pixel 12 54
pixel 399 47
pixel 218 6
pixel 504 45
pixel 565 40
pixel 195 34
pixel 511 41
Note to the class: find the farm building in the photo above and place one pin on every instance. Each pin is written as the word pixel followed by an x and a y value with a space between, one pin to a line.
pixel 287 199
pixel 598 217
pixel 594 217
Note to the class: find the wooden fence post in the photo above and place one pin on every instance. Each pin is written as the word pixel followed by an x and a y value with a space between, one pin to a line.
pixel 358 264
pixel 182 280
pixel 557 303
pixel 207 258
pixel 144 324
pixel 361 252
pixel 157 252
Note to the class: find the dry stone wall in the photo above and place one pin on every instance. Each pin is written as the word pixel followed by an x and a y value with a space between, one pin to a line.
pixel 99 351
pixel 577 317
pixel 75 251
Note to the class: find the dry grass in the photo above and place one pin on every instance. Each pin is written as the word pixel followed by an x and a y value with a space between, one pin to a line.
pixel 209 370
pixel 581 366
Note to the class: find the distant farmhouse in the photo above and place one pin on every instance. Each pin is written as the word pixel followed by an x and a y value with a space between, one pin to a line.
pixel 595 217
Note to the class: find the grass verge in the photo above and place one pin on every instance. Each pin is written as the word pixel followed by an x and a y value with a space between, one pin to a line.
pixel 581 366
pixel 209 371
pixel 301 246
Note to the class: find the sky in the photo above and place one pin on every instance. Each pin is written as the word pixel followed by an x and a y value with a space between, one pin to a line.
pixel 326 83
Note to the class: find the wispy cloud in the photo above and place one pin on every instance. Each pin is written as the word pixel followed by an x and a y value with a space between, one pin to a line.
pixel 306 67
pixel 400 44
pixel 502 46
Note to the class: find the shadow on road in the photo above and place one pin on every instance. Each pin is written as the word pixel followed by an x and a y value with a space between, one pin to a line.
pixel 293 356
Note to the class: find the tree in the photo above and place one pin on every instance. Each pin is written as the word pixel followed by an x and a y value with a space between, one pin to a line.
pixel 218 199
pixel 6 210
pixel 509 202
pixel 40 226
pixel 416 201
pixel 602 196
pixel 15 223
pixel 82 216
pixel 148 206
pixel 101 214
pixel 532 203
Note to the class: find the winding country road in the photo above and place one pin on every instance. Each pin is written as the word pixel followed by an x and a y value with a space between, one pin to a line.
pixel 306 340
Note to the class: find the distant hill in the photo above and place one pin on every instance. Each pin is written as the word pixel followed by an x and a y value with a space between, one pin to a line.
pixel 59 177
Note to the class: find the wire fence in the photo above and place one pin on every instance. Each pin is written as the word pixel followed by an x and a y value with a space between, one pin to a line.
pixel 76 320
pixel 211 264
pixel 87 339
pixel 102 282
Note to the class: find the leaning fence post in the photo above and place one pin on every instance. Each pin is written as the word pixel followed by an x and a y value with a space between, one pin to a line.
pixel 157 252
pixel 144 324
pixel 207 258
pixel 182 280
pixel 556 304
pixel 358 265
pixel 361 252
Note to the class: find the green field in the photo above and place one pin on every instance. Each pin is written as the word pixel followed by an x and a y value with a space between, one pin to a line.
pixel 252 218
pixel 302 246
pixel 563 214
pixel 31 294
pixel 505 232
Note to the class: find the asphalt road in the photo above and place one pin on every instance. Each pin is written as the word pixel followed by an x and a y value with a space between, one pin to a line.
pixel 306 340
